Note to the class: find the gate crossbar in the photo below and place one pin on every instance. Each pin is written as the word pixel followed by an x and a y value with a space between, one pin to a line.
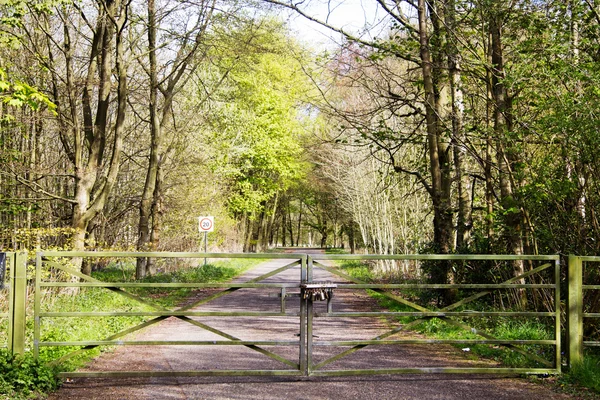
pixel 444 314
pixel 164 313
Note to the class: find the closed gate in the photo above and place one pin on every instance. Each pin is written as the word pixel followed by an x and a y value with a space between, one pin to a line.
pixel 249 324
pixel 252 327
pixel 392 347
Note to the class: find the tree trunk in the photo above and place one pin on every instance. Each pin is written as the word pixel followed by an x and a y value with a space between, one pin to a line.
pixel 442 219
pixel 145 207
pixel 88 202
pixel 463 183
pixel 351 240
pixel 284 214
pixel 299 229
pixel 507 155
pixel 159 117
pixel 439 189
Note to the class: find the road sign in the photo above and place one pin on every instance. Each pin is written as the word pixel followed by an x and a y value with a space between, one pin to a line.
pixel 206 224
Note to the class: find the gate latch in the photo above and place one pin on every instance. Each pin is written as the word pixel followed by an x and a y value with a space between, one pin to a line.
pixel 317 290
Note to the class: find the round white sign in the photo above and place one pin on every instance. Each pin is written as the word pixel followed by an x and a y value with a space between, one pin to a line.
pixel 206 224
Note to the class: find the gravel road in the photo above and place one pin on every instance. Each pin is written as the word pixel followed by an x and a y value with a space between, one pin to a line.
pixel 181 358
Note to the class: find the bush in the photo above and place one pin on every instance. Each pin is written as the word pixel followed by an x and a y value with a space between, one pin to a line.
pixel 22 376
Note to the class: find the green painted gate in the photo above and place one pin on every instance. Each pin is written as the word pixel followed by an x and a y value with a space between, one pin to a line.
pixel 318 351
pixel 543 275
pixel 53 271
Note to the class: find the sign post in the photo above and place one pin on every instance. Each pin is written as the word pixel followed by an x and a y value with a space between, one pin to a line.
pixel 206 224
pixel 2 269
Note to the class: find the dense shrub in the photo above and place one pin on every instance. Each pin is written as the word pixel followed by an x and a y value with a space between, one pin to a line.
pixel 22 376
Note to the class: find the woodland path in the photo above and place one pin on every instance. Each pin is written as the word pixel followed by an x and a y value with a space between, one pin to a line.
pixel 172 358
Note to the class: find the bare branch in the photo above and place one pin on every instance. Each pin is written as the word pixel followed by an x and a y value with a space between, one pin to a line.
pixel 37 188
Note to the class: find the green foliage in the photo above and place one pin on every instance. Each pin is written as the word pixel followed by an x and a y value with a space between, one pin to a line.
pixel 256 123
pixel 21 376
pixel 585 374
pixel 19 94
pixel 38 238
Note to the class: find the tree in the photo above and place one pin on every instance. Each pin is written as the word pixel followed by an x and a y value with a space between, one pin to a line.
pixel 89 124
pixel 258 128
pixel 470 98
pixel 166 79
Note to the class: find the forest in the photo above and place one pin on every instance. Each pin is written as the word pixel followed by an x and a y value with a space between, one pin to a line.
pixel 445 126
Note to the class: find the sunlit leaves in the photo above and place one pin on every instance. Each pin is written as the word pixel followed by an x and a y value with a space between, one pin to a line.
pixel 20 94
pixel 257 126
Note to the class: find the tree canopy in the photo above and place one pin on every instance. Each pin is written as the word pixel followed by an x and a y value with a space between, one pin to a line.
pixel 462 126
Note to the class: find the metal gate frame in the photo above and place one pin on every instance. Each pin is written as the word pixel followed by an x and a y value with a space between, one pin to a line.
pixel 305 365
pixel 184 313
pixel 445 313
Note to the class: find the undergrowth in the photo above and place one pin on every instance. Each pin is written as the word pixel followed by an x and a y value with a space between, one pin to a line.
pixel 585 374
pixel 23 377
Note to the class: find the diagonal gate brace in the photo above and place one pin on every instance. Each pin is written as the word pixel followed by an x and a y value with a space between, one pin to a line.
pixel 423 309
pixel 156 320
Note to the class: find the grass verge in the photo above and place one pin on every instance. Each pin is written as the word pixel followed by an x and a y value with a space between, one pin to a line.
pixel 583 377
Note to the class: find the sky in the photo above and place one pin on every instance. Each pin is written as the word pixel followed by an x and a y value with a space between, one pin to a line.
pixel 356 16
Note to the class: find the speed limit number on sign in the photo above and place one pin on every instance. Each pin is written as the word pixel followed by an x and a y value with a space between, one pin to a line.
pixel 206 224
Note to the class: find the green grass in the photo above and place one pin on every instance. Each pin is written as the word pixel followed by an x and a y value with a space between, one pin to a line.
pixel 220 271
pixel 586 374
pixel 357 270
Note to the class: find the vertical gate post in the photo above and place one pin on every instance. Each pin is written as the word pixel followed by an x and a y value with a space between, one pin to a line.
pixel 19 303
pixel 10 267
pixel 309 322
pixel 557 316
pixel 302 350
pixel 575 310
